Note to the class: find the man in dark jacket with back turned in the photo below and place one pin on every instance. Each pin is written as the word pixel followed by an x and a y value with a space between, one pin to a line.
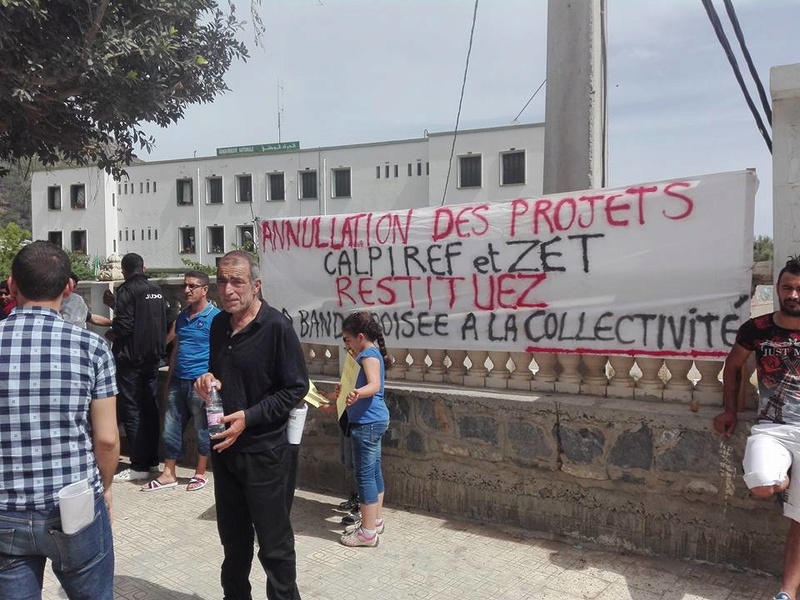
pixel 138 334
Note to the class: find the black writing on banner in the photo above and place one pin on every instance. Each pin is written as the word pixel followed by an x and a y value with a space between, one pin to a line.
pixel 691 333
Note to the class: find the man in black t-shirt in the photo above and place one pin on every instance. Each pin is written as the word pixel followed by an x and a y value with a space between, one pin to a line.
pixel 775 439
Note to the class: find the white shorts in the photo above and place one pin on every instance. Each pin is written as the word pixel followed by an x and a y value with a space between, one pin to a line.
pixel 770 452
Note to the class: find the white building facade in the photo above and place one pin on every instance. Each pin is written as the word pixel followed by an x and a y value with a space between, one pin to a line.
pixel 200 208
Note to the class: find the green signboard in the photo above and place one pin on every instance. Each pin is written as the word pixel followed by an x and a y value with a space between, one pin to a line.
pixel 258 149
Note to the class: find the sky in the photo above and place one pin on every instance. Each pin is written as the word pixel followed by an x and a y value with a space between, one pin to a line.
pixel 358 71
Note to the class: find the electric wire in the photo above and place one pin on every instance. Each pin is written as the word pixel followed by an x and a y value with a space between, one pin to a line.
pixel 541 85
pixel 723 40
pixel 460 102
pixel 762 94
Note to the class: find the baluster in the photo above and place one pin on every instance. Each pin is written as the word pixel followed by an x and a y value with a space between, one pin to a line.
pixel 650 385
pixel 416 370
pixel 316 364
pixel 569 380
pixel 332 362
pixel 709 388
pixel 437 370
pixel 477 372
pixel 457 369
pixel 544 380
pixel 679 387
pixel 498 376
pixel 595 381
pixel 621 383
pixel 399 364
pixel 522 376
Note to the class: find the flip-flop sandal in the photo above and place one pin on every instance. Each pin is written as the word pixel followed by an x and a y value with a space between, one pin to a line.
pixel 196 483
pixel 155 485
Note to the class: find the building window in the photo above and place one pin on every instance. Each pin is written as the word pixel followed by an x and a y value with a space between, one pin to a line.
pixel 126 188
pixel 148 187
pixel 419 169
pixel 185 192
pixel 126 235
pixel 54 197
pixel 513 167
pixel 149 233
pixel 427 168
pixel 378 172
pixel 133 235
pixel 55 237
pixel 216 239
pixel 113 245
pixel 386 171
pixel 341 183
pixel 186 237
pixel 409 169
pixel 244 188
pixel 113 199
pixel 78 242
pixel 141 187
pixel 214 190
pixel 396 170
pixel 469 171
pixel 154 187
pixel 275 187
pixel 119 189
pixel 155 233
pixel 246 239
pixel 308 185
pixel 77 196
pixel 120 235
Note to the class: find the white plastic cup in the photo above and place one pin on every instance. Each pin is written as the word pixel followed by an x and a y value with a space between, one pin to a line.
pixel 76 503
pixel 297 419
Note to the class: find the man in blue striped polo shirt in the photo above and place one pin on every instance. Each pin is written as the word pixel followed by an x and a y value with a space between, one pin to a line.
pixel 58 426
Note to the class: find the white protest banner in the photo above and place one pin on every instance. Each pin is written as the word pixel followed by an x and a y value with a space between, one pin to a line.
pixel 659 269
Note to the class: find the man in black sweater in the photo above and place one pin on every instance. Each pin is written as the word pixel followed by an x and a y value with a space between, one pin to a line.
pixel 258 365
pixel 138 333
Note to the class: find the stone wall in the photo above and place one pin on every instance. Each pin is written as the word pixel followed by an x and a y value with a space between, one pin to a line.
pixel 644 477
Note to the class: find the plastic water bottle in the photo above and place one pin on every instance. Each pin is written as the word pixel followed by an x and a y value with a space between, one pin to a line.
pixel 214 413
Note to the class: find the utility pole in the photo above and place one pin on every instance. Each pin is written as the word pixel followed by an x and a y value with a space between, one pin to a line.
pixel 575 138
pixel 280 109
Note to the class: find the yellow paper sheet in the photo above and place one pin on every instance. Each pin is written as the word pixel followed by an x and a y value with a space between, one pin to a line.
pixel 347 383
pixel 314 397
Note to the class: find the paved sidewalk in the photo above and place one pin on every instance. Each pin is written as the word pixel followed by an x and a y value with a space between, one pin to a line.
pixel 167 549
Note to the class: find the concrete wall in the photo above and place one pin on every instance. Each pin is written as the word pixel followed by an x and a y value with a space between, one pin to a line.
pixel 644 477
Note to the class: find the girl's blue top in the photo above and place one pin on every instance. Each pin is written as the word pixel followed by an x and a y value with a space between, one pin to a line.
pixel 369 410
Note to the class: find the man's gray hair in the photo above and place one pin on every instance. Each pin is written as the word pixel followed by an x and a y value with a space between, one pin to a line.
pixel 245 257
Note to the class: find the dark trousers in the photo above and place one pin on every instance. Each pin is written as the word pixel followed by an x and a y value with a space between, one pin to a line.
pixel 250 490
pixel 137 408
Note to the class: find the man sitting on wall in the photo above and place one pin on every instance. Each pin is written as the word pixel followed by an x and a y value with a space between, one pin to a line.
pixel 775 338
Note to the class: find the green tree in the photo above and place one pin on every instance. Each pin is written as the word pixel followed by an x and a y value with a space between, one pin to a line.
pixel 762 248
pixel 12 238
pixel 15 195
pixel 78 77
pixel 81 266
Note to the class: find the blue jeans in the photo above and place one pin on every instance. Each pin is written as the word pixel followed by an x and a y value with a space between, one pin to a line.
pixel 366 441
pixel 183 403
pixel 83 562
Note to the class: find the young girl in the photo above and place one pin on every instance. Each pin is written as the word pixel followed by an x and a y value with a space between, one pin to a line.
pixel 369 420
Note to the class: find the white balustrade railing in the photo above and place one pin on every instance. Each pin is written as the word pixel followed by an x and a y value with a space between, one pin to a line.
pixel 645 378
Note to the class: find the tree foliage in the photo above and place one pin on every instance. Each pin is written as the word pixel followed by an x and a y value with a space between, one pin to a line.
pixel 77 77
pixel 762 248
pixel 12 237
pixel 15 194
